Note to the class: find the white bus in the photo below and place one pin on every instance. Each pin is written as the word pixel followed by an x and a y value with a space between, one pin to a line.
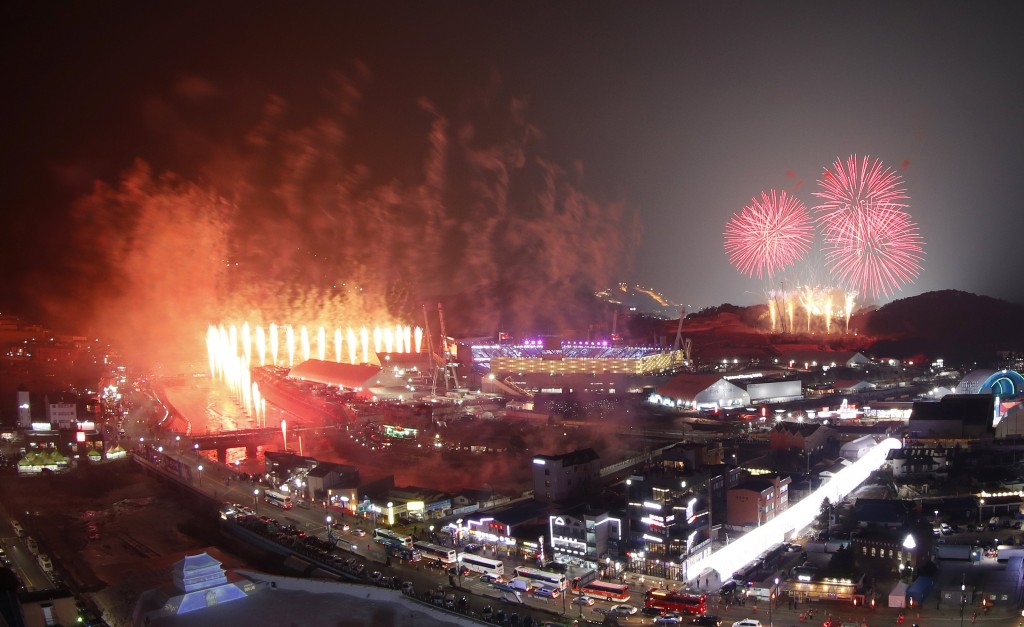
pixel 277 499
pixel 444 556
pixel 482 565
pixel 542 577
pixel 390 538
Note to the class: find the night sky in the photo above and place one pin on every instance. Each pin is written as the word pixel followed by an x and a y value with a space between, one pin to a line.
pixel 614 139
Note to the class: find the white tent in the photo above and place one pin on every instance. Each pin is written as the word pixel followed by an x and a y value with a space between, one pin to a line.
pixel 898 596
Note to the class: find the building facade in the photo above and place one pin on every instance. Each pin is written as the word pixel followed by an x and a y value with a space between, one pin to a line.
pixel 757 500
pixel 558 478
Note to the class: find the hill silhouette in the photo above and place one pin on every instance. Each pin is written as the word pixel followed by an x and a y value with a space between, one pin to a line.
pixel 958 326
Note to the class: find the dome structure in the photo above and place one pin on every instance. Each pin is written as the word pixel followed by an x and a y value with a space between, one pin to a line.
pixel 997 382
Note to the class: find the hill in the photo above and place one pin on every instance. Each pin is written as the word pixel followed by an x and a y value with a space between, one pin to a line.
pixel 959 326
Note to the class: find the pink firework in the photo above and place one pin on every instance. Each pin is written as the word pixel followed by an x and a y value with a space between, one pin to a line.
pixel 875 250
pixel 768 234
pixel 852 188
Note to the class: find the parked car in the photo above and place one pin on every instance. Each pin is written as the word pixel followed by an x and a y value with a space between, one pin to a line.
pixel 33 548
pixel 45 564
pixel 472 548
pixel 18 529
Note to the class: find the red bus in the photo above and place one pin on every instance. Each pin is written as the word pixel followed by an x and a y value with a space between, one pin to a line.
pixel 615 592
pixel 675 601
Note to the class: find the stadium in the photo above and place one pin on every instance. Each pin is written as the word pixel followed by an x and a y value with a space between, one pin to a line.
pixel 552 365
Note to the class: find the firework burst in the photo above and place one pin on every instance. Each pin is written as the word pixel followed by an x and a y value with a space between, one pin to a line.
pixel 851 188
pixel 768 234
pixel 875 250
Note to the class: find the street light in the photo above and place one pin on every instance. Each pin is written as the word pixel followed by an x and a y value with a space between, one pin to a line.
pixel 200 469
pixel 330 537
pixel 256 500
pixel 458 541
pixel 963 597
pixel 771 601
pixel 981 503
pixel 196 447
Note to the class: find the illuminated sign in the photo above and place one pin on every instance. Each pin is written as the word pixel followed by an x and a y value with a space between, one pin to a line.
pixel 649 505
pixel 392 431
pixel 539 462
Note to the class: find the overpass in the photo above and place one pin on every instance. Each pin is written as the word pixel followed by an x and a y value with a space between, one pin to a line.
pixel 249 439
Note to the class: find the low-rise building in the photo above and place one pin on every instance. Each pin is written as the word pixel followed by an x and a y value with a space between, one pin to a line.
pixel 757 500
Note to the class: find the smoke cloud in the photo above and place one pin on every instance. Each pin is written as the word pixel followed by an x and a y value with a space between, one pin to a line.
pixel 333 212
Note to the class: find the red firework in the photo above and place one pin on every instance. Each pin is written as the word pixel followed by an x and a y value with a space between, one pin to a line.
pixel 875 250
pixel 852 188
pixel 768 234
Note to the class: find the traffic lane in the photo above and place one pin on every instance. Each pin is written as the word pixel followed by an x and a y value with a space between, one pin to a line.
pixel 28 568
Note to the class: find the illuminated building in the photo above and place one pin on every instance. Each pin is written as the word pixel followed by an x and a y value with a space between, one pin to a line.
pixel 584 536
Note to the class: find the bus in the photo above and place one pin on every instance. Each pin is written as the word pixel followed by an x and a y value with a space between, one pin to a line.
pixel 277 499
pixel 577 583
pixel 481 565
pixel 390 538
pixel 444 556
pixel 542 577
pixel 675 601
pixel 403 552
pixel 614 592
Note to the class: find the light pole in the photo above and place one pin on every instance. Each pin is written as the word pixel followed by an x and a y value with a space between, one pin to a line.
pixel 177 442
pixel 330 536
pixel 200 469
pixel 981 503
pixel 458 541
pixel 963 597
pixel 196 447
pixel 256 500
pixel 771 601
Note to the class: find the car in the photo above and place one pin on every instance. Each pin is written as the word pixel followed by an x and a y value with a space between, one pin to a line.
pixel 33 548
pixel 341 526
pixel 1016 524
pixel 18 529
pixel 376 575
pixel 747 622
pixel 489 578
pixel 584 600
pixel 545 592
pixel 624 610
pixel 45 563
pixel 407 588
pixel 472 548
pixel 359 532
pixel 708 621
pixel 668 620
pixel 556 567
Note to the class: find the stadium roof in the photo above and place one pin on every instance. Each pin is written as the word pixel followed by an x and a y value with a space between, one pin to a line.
pixel 688 385
pixel 333 373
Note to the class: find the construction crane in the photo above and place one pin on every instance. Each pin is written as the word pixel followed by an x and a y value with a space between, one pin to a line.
pixel 444 363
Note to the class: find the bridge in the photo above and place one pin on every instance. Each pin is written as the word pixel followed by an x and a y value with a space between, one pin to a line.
pixel 249 439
